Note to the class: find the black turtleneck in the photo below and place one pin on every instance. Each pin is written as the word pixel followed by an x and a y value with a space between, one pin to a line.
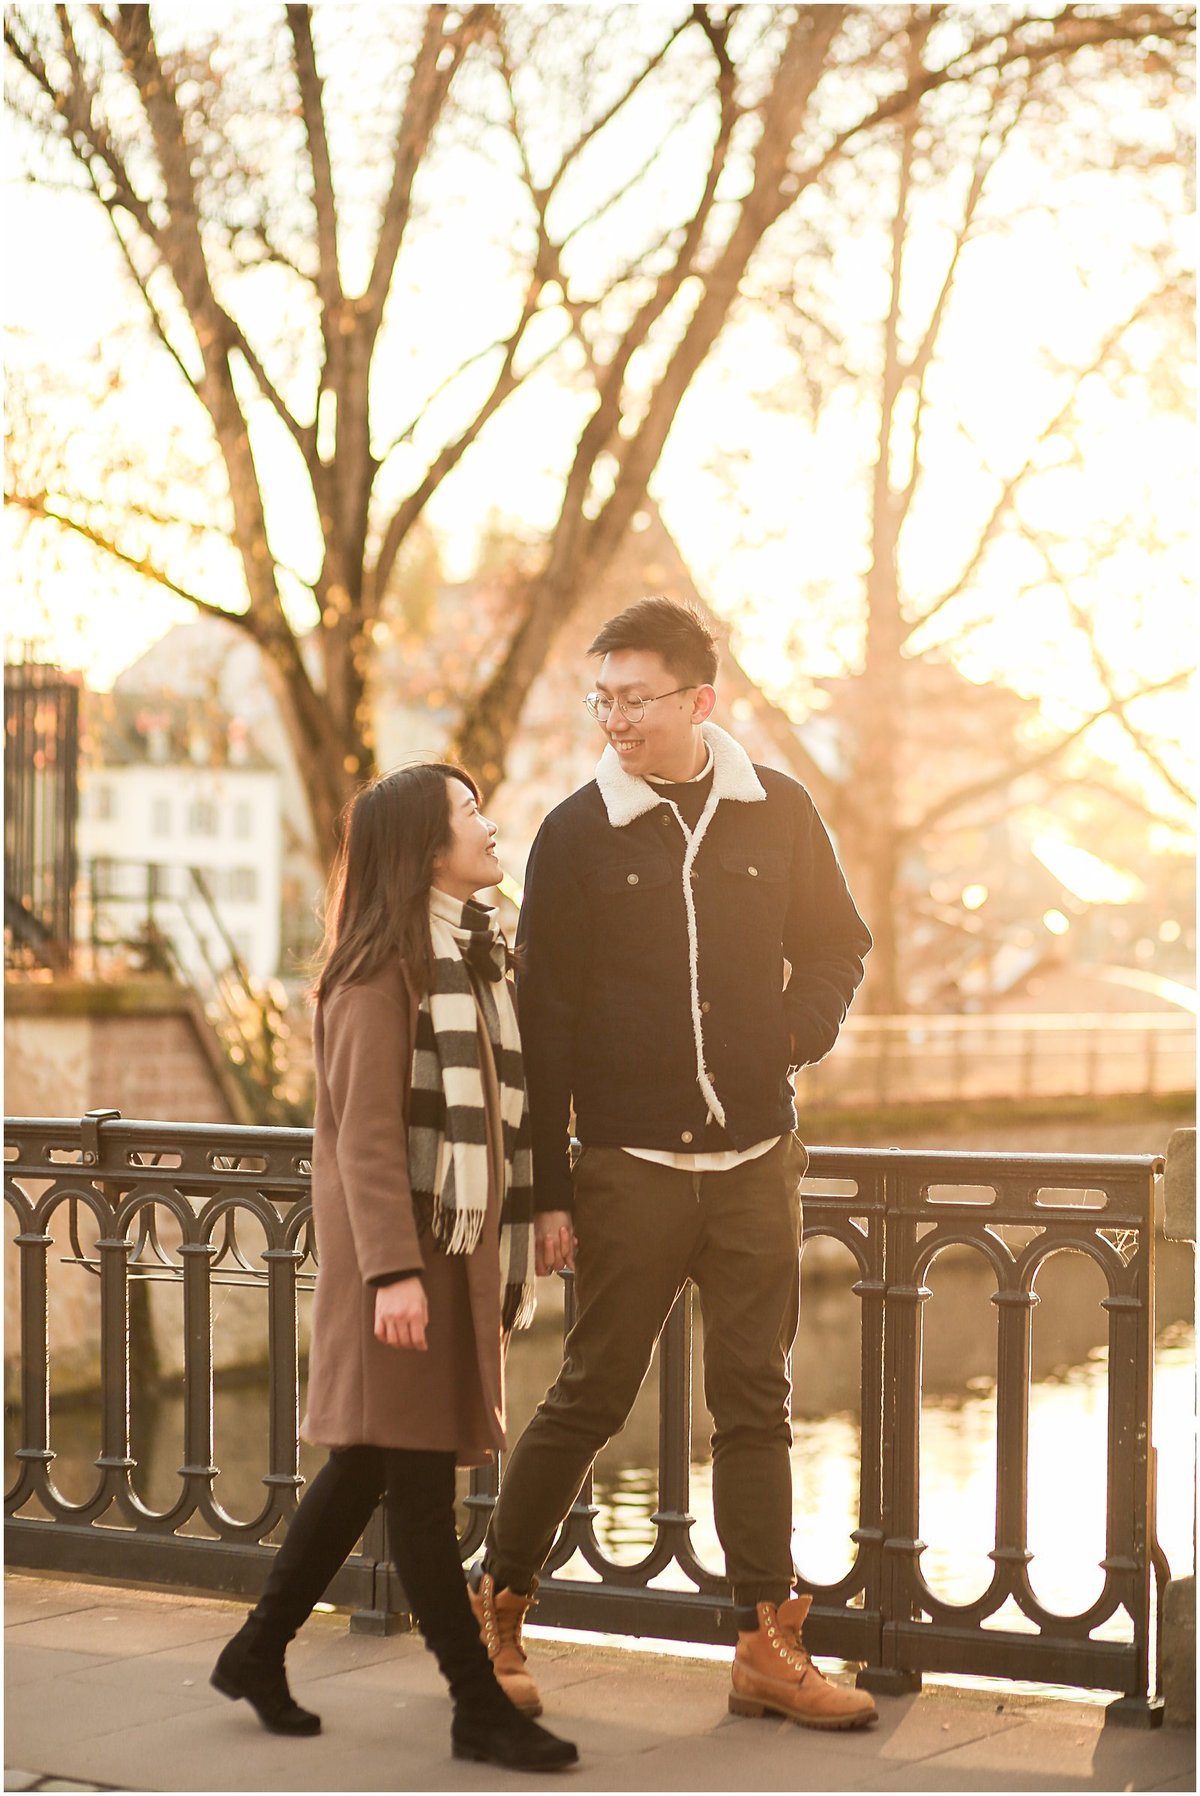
pixel 688 796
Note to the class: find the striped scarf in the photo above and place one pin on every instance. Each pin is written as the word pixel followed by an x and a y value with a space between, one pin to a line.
pixel 448 1152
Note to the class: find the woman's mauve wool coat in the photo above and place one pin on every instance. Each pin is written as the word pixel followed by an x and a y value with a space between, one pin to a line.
pixel 360 1392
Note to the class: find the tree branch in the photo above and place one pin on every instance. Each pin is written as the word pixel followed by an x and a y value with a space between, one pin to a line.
pixel 434 68
pixel 86 135
pixel 1117 704
pixel 605 118
pixel 406 514
pixel 988 154
pixel 1031 764
pixel 312 107
pixel 633 473
pixel 1010 488
pixel 37 505
pixel 798 73
pixel 1092 32
pixel 183 251
pixel 142 284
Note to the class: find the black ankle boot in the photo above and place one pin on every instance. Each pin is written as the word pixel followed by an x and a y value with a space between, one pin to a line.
pixel 487 1728
pixel 251 1666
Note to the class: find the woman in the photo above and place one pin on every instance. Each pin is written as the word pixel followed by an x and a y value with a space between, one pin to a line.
pixel 423 1217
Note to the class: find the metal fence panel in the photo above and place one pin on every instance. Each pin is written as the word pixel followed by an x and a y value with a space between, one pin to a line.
pixel 893 1211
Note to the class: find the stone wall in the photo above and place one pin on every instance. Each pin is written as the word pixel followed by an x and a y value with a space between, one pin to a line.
pixel 138 1047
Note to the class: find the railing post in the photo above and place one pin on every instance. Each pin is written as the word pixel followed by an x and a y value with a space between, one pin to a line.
pixel 1177 1612
pixel 34 1451
pixel 386 1615
pixel 581 1516
pixel 901 1427
pixel 869 1535
pixel 1131 1544
pixel 1013 1348
pixel 672 1519
pixel 283 1368
pixel 197 1470
pixel 114 1348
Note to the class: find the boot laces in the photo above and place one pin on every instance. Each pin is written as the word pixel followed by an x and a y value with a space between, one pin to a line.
pixel 505 1625
pixel 790 1647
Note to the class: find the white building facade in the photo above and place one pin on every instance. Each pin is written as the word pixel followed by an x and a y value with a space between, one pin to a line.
pixel 147 818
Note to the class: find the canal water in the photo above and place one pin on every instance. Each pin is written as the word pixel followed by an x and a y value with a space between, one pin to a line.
pixel 1067 1450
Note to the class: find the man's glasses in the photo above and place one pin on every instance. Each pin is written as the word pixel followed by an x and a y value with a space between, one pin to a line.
pixel 600 706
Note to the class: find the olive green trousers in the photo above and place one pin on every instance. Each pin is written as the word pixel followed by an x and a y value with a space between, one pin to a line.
pixel 643 1230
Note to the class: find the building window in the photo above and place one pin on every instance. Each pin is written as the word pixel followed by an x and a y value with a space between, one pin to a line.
pixel 105 802
pixel 242 884
pixel 243 820
pixel 160 816
pixel 202 817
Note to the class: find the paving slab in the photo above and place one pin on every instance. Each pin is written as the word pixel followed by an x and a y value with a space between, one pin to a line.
pixel 30 1599
pixel 122 1628
pixel 108 1688
pixel 36 1664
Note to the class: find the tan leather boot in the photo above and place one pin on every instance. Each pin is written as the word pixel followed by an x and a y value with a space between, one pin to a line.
pixel 773 1674
pixel 501 1614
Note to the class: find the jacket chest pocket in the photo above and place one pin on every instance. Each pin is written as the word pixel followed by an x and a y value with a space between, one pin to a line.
pixel 758 875
pixel 633 883
pixel 752 891
pixel 642 947
pixel 635 900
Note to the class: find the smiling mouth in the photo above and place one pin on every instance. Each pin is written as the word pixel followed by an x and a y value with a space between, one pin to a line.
pixel 624 745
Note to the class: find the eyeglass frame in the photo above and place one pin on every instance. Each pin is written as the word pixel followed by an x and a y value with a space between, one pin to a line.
pixel 594 699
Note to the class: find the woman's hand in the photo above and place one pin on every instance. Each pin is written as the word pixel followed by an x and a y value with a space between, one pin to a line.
pixel 553 1242
pixel 402 1314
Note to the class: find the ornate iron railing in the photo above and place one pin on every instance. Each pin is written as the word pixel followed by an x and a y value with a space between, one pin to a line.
pixel 999 1055
pixel 165 1202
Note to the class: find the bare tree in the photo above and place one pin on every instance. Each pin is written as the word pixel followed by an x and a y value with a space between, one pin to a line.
pixel 835 79
pixel 902 778
pixel 265 198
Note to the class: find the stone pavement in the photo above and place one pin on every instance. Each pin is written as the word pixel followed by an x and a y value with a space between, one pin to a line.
pixel 107 1688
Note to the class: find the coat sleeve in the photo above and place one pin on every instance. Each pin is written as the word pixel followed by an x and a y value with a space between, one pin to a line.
pixel 553 938
pixel 824 939
pixel 367 1052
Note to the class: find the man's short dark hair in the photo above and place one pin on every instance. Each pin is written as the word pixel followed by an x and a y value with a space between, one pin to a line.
pixel 676 632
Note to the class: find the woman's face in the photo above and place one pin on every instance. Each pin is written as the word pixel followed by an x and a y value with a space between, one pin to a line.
pixel 469 864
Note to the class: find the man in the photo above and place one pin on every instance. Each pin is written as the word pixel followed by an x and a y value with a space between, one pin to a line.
pixel 686 940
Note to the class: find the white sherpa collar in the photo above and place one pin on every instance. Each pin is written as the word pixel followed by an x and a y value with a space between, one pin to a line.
pixel 626 796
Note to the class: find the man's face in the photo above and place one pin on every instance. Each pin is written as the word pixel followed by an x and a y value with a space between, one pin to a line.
pixel 663 742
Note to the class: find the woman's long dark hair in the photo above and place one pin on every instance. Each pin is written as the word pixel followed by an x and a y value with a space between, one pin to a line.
pixel 378 902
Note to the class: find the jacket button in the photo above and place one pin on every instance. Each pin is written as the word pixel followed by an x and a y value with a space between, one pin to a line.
pixel 686 1136
pixel 706 1007
pixel 753 872
pixel 631 879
